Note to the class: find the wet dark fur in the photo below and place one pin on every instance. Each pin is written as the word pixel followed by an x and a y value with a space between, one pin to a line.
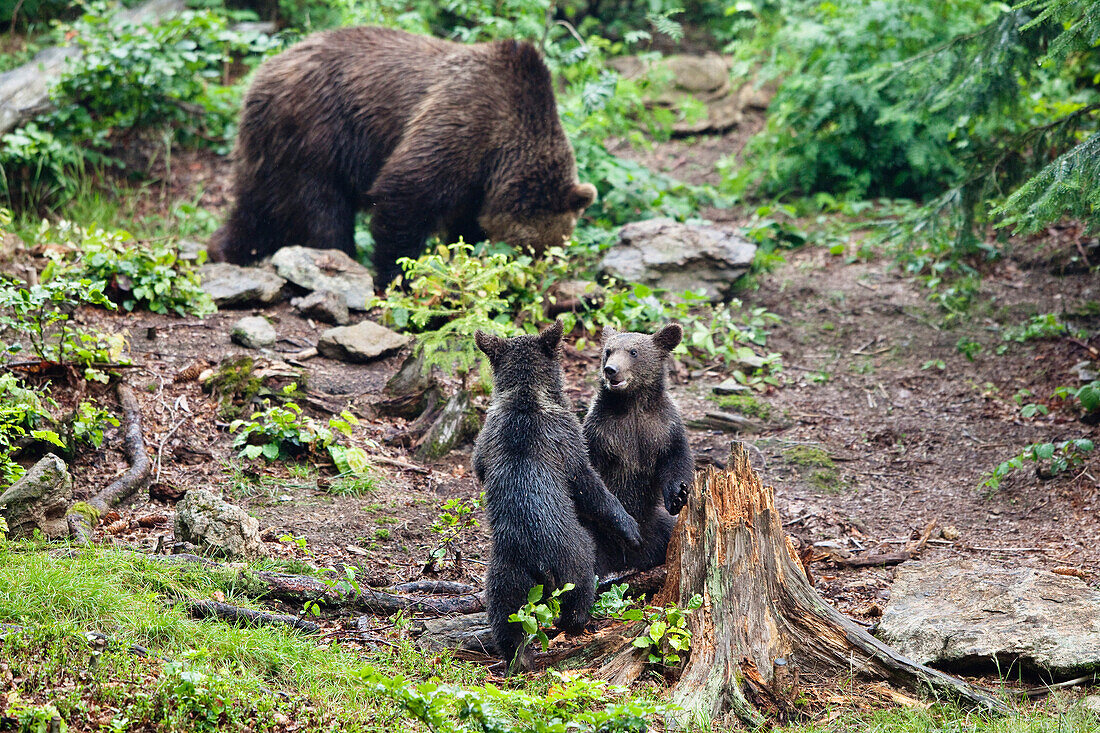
pixel 539 485
pixel 636 442
pixel 426 135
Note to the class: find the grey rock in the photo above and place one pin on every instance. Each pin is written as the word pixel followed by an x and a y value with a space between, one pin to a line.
pixel 365 341
pixel 326 269
pixel 231 285
pixel 1092 704
pixel 672 256
pixel 323 306
pixel 961 613
pixel 730 386
pixel 216 526
pixel 1085 372
pixel 254 332
pixel 39 500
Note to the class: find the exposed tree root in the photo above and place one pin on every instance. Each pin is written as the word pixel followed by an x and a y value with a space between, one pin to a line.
pixel 83 516
pixel 299 589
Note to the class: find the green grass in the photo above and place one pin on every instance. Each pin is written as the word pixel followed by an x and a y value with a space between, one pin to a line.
pixel 1056 715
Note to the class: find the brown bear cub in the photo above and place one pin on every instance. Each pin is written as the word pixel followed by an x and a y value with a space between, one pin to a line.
pixel 637 444
pixel 539 486
pixel 428 136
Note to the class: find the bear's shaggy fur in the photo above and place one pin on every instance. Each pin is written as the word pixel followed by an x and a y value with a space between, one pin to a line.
pixel 428 136
pixel 637 444
pixel 539 485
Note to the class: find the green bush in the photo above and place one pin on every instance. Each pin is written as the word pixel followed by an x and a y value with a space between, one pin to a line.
pixel 829 128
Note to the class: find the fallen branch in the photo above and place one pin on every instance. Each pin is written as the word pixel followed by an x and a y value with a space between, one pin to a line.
pixel 869 559
pixel 248 617
pixel 297 590
pixel 436 587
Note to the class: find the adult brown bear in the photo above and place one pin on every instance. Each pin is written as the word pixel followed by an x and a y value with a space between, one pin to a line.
pixel 428 136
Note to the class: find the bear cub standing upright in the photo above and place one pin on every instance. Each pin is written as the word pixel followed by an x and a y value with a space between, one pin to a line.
pixel 637 444
pixel 428 136
pixel 530 459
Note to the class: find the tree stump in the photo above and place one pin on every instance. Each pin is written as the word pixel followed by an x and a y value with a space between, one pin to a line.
pixel 761 624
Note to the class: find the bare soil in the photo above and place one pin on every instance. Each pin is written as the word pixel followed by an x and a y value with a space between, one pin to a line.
pixel 901 442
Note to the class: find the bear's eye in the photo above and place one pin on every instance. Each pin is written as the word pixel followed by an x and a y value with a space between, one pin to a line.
pixel 633 352
pixel 607 354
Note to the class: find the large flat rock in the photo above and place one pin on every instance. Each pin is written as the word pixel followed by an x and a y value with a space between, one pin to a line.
pixel 675 256
pixel 365 341
pixel 963 614
pixel 232 285
pixel 326 269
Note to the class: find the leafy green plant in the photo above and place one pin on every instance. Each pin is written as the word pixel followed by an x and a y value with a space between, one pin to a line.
pixel 1050 459
pixel 23 413
pixel 968 348
pixel 281 432
pixel 448 294
pixel 456 521
pixel 170 76
pixel 41 315
pixel 537 615
pixel 1041 326
pixel 612 602
pixel 666 634
pixel 148 274
pixel 89 423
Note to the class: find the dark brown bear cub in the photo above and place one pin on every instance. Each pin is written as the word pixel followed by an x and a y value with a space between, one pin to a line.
pixel 428 136
pixel 637 444
pixel 530 459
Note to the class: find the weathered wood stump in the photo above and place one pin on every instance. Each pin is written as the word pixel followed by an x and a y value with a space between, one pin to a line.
pixel 761 623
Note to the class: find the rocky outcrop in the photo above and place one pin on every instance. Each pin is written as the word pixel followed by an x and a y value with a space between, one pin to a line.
pixel 674 256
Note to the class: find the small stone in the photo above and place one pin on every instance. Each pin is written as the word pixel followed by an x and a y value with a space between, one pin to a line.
pixel 675 257
pixel 216 526
pixel 326 269
pixel 1085 371
pixel 950 533
pixel 730 386
pixel 230 285
pixel 1092 704
pixel 365 341
pixel 254 332
pixel 39 500
pixel 190 250
pixel 323 306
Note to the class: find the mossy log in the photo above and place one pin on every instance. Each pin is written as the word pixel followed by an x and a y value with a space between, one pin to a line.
pixel 761 621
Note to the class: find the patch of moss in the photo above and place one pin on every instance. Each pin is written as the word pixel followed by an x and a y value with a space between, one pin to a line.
pixel 826 480
pixel 745 404
pixel 238 388
pixel 809 456
pixel 89 512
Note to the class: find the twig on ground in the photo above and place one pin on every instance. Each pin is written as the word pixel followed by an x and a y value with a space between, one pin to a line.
pixel 227 612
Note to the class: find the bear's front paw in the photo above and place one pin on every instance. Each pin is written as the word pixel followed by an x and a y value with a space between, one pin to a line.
pixel 676 496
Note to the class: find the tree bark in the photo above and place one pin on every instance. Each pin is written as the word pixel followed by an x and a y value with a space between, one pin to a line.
pixel 761 623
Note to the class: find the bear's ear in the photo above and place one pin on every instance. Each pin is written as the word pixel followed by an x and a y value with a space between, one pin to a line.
pixel 669 337
pixel 488 343
pixel 551 338
pixel 581 197
pixel 608 333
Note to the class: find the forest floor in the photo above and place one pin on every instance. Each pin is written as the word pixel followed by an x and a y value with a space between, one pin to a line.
pixel 880 427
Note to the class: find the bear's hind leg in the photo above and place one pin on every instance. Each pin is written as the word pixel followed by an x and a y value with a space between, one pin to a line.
pixel 576 605
pixel 330 217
